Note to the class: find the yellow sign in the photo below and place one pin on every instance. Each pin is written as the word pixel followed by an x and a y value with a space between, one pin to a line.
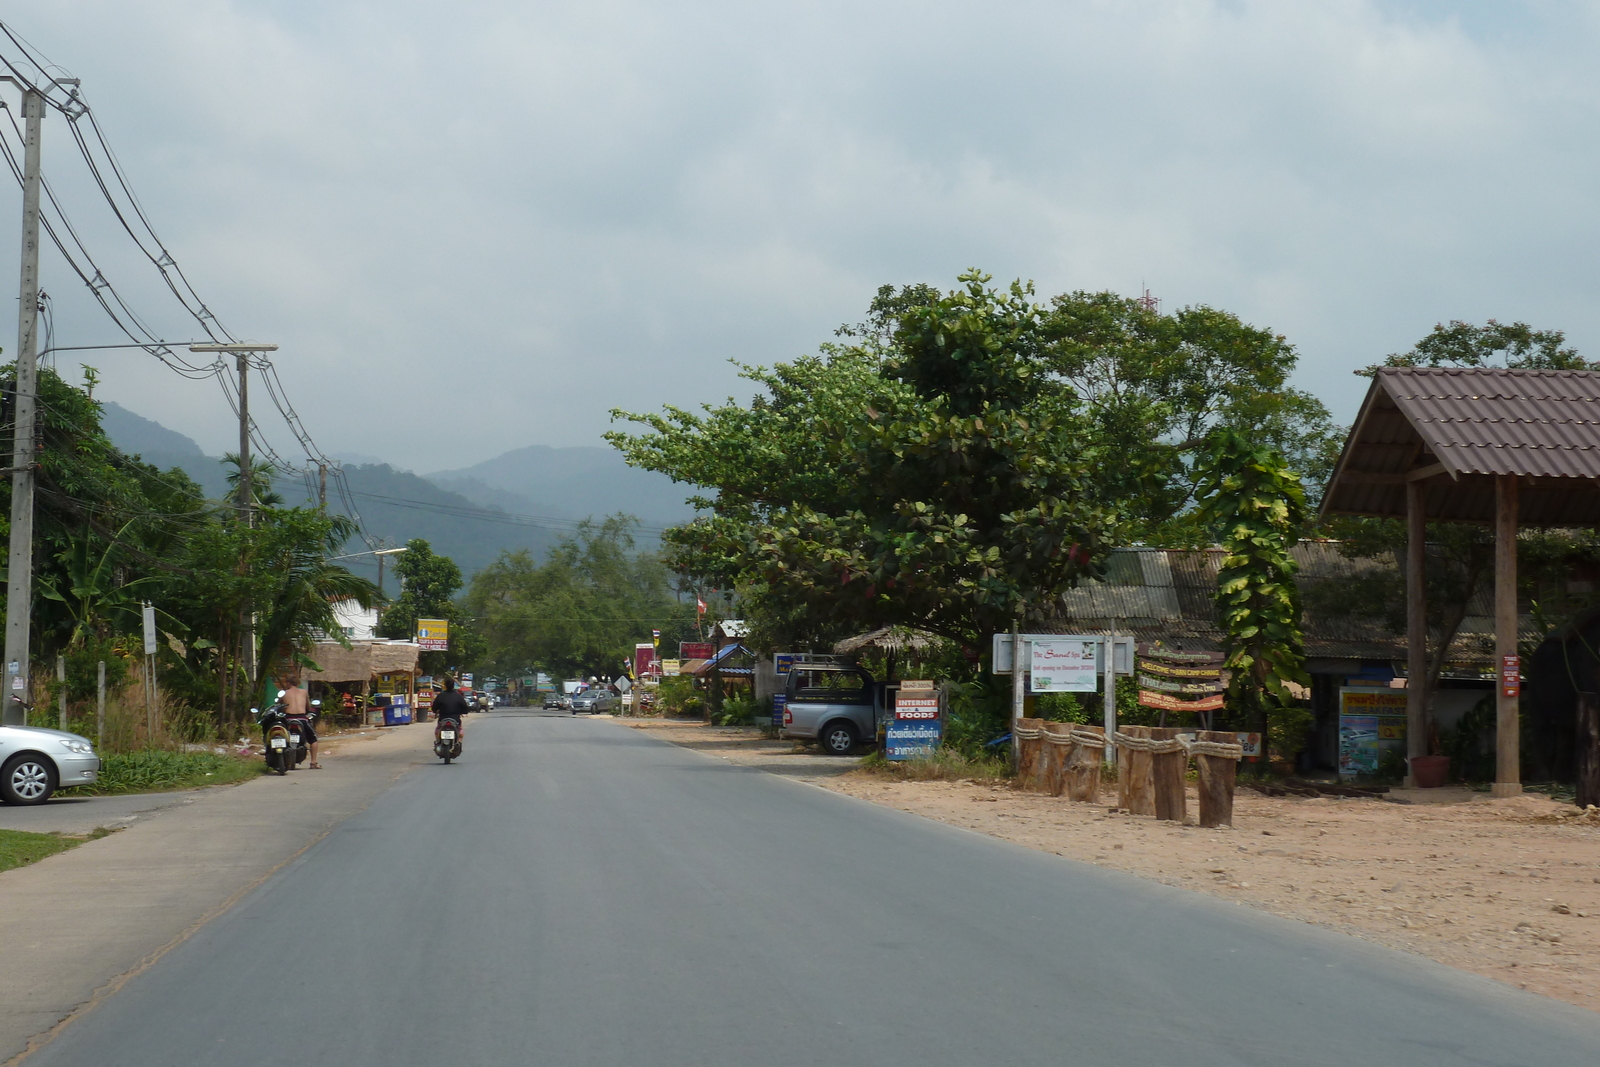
pixel 434 634
pixel 671 668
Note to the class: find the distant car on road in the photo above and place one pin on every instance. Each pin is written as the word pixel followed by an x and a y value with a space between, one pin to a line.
pixel 35 762
pixel 556 701
pixel 594 700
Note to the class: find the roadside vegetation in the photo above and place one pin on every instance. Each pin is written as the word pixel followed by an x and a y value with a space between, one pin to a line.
pixel 157 771
pixel 19 848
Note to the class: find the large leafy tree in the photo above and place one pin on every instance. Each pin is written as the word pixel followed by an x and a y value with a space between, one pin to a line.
pixel 936 479
pixel 583 609
pixel 429 584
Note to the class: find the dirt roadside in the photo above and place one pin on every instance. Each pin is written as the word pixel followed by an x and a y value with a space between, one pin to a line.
pixel 76 926
pixel 1506 888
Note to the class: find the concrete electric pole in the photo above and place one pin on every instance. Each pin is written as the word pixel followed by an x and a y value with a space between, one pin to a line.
pixel 19 588
pixel 241 354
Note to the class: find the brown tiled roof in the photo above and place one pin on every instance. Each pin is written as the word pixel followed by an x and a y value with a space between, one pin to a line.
pixel 1458 428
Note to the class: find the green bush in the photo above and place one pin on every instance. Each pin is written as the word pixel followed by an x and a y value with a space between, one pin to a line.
pixel 153 771
pixel 737 711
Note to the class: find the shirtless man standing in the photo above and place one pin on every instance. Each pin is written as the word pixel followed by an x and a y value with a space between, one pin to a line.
pixel 297 705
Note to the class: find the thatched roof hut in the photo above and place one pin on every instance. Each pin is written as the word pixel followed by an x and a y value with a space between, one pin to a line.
pixel 886 639
pixel 363 660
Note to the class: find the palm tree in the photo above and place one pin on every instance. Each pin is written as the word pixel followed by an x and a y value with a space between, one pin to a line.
pixel 262 495
pixel 306 586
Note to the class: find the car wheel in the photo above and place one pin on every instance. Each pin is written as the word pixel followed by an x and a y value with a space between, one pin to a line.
pixel 26 779
pixel 838 738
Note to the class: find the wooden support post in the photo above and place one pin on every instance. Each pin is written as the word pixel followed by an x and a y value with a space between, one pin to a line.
pixel 1134 788
pixel 1508 726
pixel 1416 625
pixel 1057 741
pixel 1083 765
pixel 1027 732
pixel 1587 749
pixel 1167 776
pixel 1216 780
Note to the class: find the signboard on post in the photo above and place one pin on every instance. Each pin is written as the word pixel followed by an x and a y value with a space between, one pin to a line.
pixel 696 650
pixel 1062 666
pixel 1510 675
pixel 1371 721
pixel 149 629
pixel 917 727
pixel 433 635
pixel 670 668
pixel 1000 659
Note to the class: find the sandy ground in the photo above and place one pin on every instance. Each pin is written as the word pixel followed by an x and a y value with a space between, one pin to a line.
pixel 1505 888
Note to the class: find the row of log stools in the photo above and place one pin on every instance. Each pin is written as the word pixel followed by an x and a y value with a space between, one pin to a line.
pixel 1062 758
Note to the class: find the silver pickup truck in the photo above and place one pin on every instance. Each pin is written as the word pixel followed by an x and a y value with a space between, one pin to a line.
pixel 836 705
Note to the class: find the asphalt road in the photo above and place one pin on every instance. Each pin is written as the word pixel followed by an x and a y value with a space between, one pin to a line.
pixel 573 892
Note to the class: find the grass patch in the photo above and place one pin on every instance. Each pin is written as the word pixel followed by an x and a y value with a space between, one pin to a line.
pixel 945 764
pixel 18 849
pixel 157 771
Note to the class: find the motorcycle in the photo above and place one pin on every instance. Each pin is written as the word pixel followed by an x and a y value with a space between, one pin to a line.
pixel 284 735
pixel 447 739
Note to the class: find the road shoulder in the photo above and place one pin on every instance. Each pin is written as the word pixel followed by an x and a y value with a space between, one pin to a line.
pixel 77 925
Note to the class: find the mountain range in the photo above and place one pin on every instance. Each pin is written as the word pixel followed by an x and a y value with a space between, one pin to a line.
pixel 527 498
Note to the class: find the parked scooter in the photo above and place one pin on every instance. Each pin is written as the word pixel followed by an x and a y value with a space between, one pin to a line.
pixel 284 736
pixel 447 739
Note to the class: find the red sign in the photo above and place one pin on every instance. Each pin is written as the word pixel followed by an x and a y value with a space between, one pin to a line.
pixel 644 661
pixel 918 707
pixel 1510 675
pixel 696 650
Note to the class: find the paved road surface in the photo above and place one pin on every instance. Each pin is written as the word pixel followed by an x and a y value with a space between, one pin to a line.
pixel 67 814
pixel 576 893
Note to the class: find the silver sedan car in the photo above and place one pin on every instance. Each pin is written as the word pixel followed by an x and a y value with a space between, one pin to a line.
pixel 35 762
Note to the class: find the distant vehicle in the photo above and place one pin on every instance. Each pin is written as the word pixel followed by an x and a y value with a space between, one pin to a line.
pixel 594 700
pixel 835 705
pixel 557 701
pixel 35 762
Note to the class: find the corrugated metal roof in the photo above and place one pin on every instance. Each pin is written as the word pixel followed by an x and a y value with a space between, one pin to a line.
pixel 1170 596
pixel 1469 425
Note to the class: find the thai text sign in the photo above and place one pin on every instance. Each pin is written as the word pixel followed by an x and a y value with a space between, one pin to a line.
pixel 1062 666
pixel 433 634
pixel 696 650
pixel 670 668
pixel 910 738
pixel 1510 675
pixel 1171 703
pixel 1371 721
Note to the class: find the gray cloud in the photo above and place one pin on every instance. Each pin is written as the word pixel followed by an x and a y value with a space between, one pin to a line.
pixel 479 225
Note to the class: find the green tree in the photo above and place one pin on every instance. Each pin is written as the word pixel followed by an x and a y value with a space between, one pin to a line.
pixel 429 583
pixel 1255 507
pixel 940 482
pixel 583 609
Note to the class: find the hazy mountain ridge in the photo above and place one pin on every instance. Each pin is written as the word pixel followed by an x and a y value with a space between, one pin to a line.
pixel 560 484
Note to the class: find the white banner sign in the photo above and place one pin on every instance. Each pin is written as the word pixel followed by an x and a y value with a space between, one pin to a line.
pixel 1063 666
pixel 149 630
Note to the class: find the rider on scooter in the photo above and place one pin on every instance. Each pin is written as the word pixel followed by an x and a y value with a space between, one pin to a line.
pixel 450 704
pixel 297 705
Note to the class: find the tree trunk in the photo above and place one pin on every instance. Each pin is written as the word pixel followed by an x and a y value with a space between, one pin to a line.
pixel 1135 790
pixel 1028 744
pixel 1216 781
pixel 1058 749
pixel 1587 750
pixel 1083 768
pixel 1167 776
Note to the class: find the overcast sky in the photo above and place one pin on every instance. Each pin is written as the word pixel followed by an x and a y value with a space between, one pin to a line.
pixel 474 225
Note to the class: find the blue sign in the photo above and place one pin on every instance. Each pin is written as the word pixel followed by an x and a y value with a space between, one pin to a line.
pixel 782 664
pixel 910 738
pixel 778 702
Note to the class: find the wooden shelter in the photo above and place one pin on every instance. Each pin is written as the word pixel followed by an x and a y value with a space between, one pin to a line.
pixel 1504 447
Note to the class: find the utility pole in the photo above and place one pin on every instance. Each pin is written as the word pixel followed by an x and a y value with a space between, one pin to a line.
pixel 241 354
pixel 322 487
pixel 19 588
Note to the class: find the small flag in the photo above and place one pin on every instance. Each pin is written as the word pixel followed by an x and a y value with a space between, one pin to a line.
pixel 701 604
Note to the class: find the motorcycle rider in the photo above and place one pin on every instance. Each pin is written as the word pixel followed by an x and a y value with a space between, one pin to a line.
pixel 297 705
pixel 450 704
